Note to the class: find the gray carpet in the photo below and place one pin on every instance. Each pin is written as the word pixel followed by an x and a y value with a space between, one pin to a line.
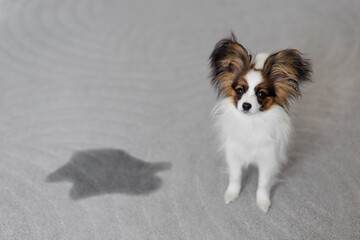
pixel 105 129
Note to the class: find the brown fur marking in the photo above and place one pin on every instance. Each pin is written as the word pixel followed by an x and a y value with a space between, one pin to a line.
pixel 287 70
pixel 229 62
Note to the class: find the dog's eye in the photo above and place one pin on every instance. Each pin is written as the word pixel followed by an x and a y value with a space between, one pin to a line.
pixel 239 91
pixel 261 94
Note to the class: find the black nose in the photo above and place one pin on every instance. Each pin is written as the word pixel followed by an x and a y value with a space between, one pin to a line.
pixel 246 106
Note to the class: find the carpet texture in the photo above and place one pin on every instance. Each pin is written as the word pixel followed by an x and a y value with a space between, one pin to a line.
pixel 105 128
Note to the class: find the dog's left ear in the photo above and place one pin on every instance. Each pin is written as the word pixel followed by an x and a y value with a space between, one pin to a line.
pixel 288 70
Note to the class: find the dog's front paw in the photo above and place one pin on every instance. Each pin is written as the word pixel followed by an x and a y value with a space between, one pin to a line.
pixel 230 196
pixel 263 204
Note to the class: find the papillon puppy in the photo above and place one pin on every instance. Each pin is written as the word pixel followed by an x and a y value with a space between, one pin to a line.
pixel 251 116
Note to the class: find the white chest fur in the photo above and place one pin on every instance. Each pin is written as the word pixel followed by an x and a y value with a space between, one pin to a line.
pixel 248 135
pixel 260 139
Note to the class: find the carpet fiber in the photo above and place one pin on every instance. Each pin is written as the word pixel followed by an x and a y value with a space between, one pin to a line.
pixel 105 128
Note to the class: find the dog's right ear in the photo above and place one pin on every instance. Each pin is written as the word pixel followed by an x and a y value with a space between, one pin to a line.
pixel 228 61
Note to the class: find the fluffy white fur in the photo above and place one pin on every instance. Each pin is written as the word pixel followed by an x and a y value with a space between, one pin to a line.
pixel 260 60
pixel 259 138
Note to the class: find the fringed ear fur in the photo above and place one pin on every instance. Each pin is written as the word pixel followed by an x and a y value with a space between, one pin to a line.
pixel 288 70
pixel 228 61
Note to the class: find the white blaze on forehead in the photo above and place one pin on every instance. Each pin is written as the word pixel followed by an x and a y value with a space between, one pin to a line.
pixel 260 60
pixel 253 78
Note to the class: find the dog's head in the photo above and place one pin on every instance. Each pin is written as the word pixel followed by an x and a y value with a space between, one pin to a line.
pixel 256 84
